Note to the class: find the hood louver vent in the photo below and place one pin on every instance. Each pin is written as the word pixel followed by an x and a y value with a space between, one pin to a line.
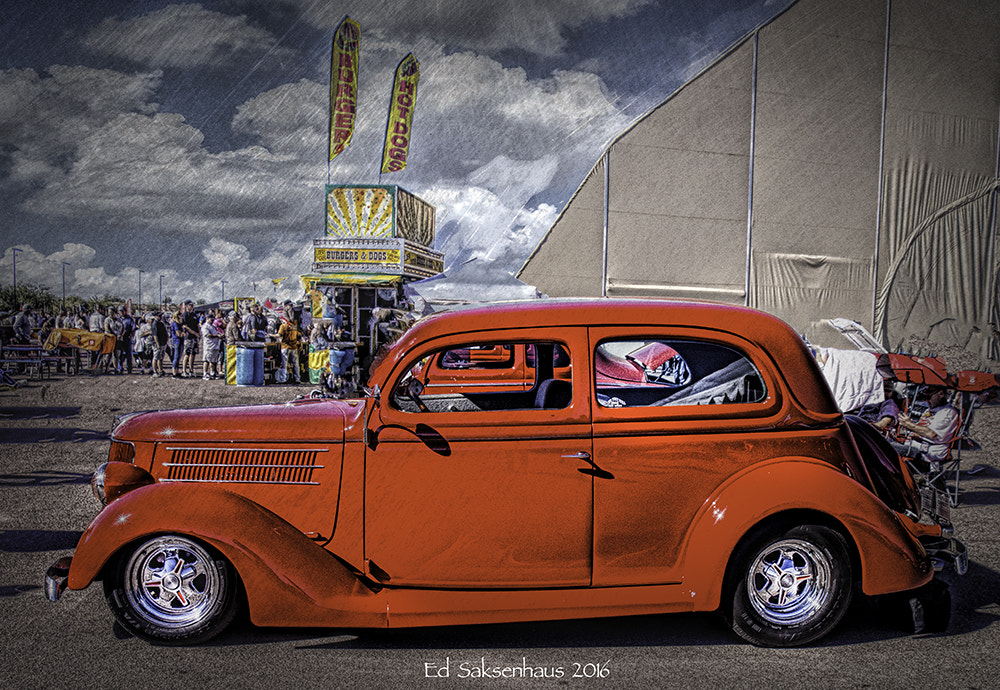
pixel 244 465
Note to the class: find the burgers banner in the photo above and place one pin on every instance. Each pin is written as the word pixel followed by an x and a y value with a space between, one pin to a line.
pixel 343 85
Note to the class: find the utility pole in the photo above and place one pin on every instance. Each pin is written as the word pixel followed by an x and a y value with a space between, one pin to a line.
pixel 64 265
pixel 15 250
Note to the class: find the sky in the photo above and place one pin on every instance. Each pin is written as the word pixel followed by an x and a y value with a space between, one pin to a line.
pixel 148 143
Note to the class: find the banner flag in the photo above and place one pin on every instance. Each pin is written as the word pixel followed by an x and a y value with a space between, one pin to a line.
pixel 343 85
pixel 85 340
pixel 397 130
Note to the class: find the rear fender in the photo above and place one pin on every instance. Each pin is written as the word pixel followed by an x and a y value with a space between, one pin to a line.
pixel 289 579
pixel 891 558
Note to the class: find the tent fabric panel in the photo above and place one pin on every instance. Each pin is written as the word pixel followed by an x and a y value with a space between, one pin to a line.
pixel 709 258
pixel 940 289
pixel 687 184
pixel 711 114
pixel 679 188
pixel 938 272
pixel 801 206
pixel 569 261
pixel 805 290
pixel 825 53
pixel 818 131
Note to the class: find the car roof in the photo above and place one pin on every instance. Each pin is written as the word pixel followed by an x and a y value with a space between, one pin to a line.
pixel 785 347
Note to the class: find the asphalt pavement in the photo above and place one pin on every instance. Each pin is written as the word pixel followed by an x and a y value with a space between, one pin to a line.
pixel 50 444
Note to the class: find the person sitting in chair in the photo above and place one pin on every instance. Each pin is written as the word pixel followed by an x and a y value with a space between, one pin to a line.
pixel 932 434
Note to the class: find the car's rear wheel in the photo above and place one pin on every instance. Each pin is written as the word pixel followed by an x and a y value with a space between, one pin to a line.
pixel 172 589
pixel 790 586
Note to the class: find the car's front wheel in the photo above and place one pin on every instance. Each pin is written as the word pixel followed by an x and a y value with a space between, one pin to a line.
pixel 171 589
pixel 790 586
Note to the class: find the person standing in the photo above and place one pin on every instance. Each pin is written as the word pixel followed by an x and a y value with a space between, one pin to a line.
pixel 95 323
pixel 211 338
pixel 232 336
pixel 161 336
pixel 176 343
pixel 288 334
pixel 22 325
pixel 143 347
pixel 192 333
pixel 113 329
pixel 128 332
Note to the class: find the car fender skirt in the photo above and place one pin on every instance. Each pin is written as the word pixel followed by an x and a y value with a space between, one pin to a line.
pixel 801 491
pixel 289 579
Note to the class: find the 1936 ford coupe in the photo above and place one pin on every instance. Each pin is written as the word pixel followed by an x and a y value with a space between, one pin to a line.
pixel 636 457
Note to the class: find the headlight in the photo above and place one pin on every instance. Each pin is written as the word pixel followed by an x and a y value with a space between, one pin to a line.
pixel 118 475
pixel 97 483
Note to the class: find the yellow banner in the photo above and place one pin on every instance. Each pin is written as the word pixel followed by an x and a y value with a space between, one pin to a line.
pixel 397 130
pixel 355 256
pixel 84 340
pixel 343 85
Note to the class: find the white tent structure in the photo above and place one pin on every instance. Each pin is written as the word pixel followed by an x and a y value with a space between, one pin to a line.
pixel 841 161
pixel 467 283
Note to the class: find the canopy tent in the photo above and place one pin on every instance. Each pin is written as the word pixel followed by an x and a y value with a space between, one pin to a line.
pixel 841 161
pixel 472 281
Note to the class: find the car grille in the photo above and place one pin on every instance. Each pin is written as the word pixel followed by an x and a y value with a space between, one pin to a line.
pixel 244 465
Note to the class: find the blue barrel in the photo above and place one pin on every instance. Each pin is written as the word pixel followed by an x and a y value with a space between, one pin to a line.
pixel 249 364
pixel 258 366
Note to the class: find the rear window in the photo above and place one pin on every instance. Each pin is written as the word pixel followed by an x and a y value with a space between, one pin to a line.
pixel 661 372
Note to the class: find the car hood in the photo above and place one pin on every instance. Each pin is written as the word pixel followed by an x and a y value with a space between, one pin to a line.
pixel 301 420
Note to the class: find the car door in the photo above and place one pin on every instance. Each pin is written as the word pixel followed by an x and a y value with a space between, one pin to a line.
pixel 673 412
pixel 482 489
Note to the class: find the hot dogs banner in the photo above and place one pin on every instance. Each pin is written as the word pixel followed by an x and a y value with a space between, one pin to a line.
pixel 397 131
pixel 344 63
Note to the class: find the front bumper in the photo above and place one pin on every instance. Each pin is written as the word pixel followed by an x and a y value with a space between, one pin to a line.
pixel 56 577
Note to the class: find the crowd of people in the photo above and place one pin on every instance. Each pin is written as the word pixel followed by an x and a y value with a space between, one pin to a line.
pixel 170 343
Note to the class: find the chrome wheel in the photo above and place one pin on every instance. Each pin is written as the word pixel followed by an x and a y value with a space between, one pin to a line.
pixel 172 589
pixel 789 585
pixel 789 582
pixel 173 581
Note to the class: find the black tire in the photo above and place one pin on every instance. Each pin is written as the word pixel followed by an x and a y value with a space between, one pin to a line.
pixel 172 590
pixel 789 586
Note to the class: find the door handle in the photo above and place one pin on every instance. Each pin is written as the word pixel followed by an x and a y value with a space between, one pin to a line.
pixel 593 470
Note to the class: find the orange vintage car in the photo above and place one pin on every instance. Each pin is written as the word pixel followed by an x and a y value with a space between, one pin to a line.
pixel 718 475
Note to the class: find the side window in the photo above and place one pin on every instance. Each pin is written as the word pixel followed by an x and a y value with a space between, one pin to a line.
pixel 650 373
pixel 477 357
pixel 487 377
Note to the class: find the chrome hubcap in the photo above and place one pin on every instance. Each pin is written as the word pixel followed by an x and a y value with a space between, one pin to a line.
pixel 172 581
pixel 789 581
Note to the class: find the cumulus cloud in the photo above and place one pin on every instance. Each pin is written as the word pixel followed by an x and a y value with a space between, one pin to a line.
pixel 244 274
pixel 534 27
pixel 487 138
pixel 152 173
pixel 182 36
pixel 43 117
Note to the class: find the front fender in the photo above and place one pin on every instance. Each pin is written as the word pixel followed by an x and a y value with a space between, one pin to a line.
pixel 289 579
pixel 892 560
